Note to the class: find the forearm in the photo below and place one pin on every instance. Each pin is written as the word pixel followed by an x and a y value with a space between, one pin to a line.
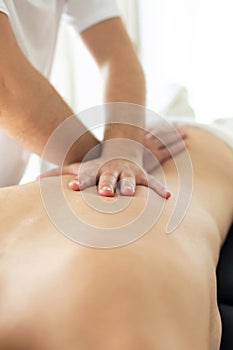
pixel 125 83
pixel 123 77
pixel 31 110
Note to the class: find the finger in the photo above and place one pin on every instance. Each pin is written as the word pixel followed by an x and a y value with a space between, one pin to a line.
pixel 66 170
pixel 178 127
pixel 183 133
pixel 151 182
pixel 167 139
pixel 78 184
pixel 156 145
pixel 53 172
pixel 151 161
pixel 158 187
pixel 172 150
pixel 107 183
pixel 127 184
pixel 154 132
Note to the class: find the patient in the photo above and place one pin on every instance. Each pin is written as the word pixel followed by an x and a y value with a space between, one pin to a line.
pixel 158 293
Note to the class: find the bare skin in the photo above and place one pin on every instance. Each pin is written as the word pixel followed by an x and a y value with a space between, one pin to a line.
pixel 31 109
pixel 157 293
pixel 30 106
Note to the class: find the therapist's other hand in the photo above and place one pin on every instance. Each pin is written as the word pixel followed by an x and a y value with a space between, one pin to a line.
pixel 162 145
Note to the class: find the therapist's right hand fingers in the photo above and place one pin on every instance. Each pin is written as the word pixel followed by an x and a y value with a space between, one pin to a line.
pixel 71 169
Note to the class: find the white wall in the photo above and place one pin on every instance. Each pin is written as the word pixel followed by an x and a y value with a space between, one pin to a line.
pixel 189 43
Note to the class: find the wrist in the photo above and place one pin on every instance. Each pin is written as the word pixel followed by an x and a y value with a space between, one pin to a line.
pixel 95 152
pixel 123 148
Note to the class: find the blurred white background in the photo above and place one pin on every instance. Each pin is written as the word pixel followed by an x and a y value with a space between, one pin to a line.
pixel 185 47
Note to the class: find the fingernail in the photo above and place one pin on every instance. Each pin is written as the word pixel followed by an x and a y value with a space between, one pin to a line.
pixel 75 185
pixel 107 188
pixel 128 188
pixel 167 194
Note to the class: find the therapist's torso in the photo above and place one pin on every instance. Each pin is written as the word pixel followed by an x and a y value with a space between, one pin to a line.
pixel 36 22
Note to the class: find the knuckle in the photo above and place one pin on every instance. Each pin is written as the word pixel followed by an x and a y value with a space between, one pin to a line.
pixel 127 174
pixel 141 175
pixel 107 178
pixel 107 172
pixel 128 181
pixel 156 184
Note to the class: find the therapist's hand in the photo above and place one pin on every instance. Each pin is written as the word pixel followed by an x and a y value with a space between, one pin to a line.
pixel 108 173
pixel 174 140
pixel 162 145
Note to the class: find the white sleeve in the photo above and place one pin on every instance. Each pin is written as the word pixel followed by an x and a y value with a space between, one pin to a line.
pixel 3 7
pixel 83 14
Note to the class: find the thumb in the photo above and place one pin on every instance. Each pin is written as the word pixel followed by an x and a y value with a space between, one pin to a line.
pixel 56 172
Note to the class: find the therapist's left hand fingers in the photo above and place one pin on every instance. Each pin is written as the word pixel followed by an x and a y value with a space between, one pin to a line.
pixel 162 146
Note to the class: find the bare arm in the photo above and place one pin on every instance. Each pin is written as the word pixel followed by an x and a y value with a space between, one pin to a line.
pixel 30 108
pixel 122 74
pixel 124 81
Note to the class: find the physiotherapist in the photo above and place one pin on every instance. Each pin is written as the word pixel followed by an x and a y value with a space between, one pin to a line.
pixel 31 109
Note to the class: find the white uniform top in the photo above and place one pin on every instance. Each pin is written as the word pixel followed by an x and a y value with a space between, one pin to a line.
pixel 36 22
